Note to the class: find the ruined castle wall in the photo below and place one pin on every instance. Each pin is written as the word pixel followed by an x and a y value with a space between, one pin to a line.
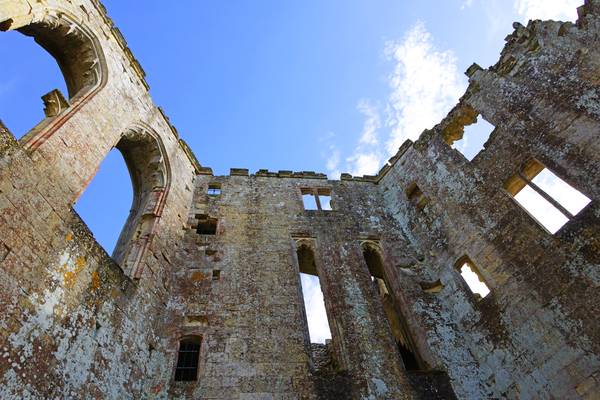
pixel 251 318
pixel 536 334
pixel 76 323
pixel 73 323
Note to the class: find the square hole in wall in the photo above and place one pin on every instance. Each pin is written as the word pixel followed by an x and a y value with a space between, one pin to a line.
pixel 216 274
pixel 206 225
pixel 472 277
pixel 473 139
pixel 214 189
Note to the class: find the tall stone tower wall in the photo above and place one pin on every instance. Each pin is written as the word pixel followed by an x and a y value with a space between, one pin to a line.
pixel 224 267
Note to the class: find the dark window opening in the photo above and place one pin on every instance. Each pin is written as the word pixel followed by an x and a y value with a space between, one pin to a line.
pixel 187 359
pixel 216 275
pixel 395 319
pixel 316 199
pixel 206 225
pixel 551 201
pixel 408 357
pixel 416 196
pixel 214 189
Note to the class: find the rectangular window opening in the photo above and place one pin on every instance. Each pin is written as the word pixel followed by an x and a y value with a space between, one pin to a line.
pixel 314 302
pixel 314 305
pixel 473 138
pixel 310 202
pixel 406 348
pixel 316 199
pixel 214 189
pixel 187 360
pixel 216 274
pixel 551 201
pixel 206 225
pixel 473 278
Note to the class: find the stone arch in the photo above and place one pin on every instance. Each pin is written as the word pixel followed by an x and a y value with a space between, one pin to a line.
pixel 78 54
pixel 305 250
pixel 371 248
pixel 149 169
pixel 374 259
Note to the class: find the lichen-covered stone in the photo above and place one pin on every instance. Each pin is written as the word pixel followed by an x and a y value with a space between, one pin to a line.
pixel 77 323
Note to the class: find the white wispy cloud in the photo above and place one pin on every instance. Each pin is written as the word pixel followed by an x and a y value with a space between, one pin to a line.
pixel 372 123
pixel 423 86
pixel 548 9
pixel 466 4
pixel 367 156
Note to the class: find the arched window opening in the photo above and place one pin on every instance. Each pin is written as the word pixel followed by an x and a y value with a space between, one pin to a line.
pixel 397 323
pixel 105 204
pixel 188 356
pixel 76 53
pixel 149 174
pixel 314 303
pixel 28 73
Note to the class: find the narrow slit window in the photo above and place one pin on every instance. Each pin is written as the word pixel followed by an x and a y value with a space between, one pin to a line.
pixel 187 360
pixel 206 225
pixel 548 199
pixel 397 323
pixel 316 199
pixel 473 138
pixel 472 277
pixel 216 274
pixel 214 189
pixel 314 303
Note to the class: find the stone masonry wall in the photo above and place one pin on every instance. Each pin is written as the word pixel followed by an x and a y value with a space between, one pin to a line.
pixel 73 324
pixel 77 323
pixel 252 317
pixel 536 335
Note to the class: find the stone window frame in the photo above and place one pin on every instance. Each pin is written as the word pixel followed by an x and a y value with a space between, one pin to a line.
pixel 337 343
pixel 214 189
pixel 524 177
pixel 198 338
pixel 465 259
pixel 317 192
pixel 79 55
pixel 205 217
pixel 374 245
pixel 149 168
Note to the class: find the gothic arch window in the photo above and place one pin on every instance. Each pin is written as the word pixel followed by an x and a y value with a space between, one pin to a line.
pixel 150 174
pixel 318 322
pixel 374 260
pixel 188 356
pixel 149 170
pixel 79 57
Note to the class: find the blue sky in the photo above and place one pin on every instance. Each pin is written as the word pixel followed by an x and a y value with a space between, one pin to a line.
pixel 330 86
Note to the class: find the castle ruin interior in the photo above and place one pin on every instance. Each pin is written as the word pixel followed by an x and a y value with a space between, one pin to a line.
pixel 202 298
